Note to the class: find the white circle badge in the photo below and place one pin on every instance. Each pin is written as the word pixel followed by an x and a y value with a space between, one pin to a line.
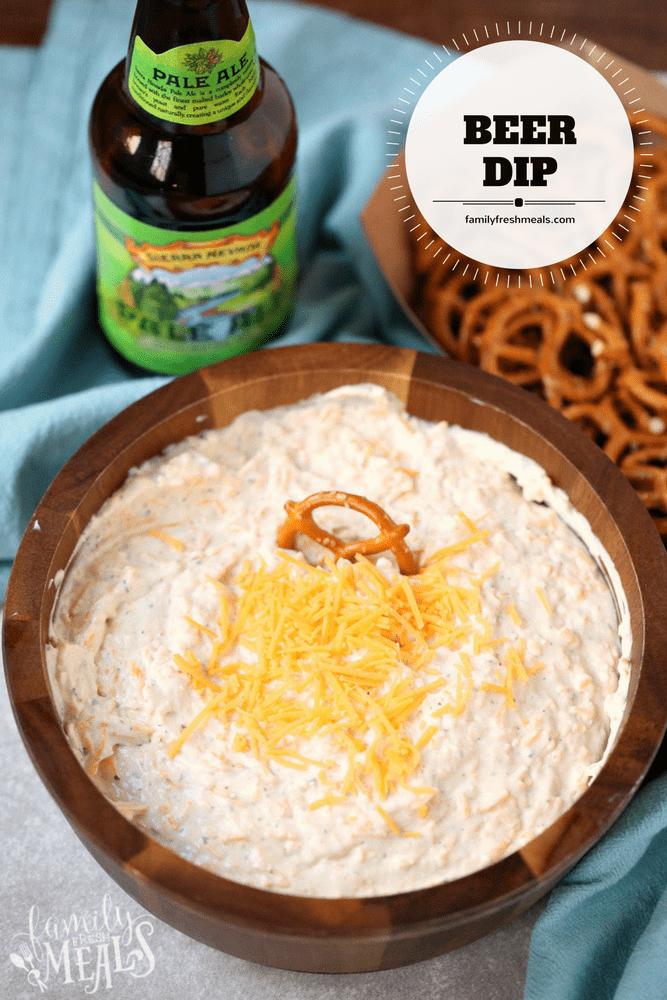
pixel 519 154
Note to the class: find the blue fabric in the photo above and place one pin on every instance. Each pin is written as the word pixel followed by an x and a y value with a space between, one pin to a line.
pixel 604 932
pixel 603 935
pixel 58 380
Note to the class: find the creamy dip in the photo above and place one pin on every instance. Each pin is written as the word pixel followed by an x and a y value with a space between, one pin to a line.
pixel 506 676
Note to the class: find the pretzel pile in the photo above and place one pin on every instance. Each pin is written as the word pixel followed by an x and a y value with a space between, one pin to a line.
pixel 594 344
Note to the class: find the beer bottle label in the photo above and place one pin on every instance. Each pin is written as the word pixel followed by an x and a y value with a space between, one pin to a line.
pixel 173 301
pixel 195 84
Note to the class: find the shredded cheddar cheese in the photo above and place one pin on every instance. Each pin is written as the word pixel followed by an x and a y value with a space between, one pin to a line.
pixel 341 651
pixel 169 539
pixel 388 820
pixel 514 615
pixel 542 597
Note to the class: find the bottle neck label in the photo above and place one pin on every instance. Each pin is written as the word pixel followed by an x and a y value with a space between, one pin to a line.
pixel 195 84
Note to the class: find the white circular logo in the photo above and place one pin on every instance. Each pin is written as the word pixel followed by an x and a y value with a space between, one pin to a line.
pixel 519 154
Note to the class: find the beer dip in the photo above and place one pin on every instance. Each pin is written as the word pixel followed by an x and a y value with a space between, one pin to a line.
pixel 328 728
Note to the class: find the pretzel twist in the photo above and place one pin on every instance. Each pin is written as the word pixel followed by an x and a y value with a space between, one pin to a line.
pixel 589 334
pixel 612 422
pixel 390 538
pixel 646 468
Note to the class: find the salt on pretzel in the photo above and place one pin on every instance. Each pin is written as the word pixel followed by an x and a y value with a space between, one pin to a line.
pixel 573 361
pixel 391 535
pixel 646 394
pixel 616 273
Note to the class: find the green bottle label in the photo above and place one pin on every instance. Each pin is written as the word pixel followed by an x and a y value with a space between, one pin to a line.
pixel 172 301
pixel 195 84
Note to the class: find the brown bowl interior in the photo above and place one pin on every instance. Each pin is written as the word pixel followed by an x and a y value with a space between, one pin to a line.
pixel 335 935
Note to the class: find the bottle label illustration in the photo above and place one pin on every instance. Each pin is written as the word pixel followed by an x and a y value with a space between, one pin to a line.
pixel 195 84
pixel 173 301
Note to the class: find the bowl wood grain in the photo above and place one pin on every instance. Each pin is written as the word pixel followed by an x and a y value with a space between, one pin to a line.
pixel 336 935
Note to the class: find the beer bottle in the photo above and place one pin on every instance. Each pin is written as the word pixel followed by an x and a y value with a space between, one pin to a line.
pixel 193 138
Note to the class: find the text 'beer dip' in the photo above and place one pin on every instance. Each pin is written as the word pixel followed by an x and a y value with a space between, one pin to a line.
pixel 333 728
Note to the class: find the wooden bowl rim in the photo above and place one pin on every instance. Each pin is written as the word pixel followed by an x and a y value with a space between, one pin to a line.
pixel 132 856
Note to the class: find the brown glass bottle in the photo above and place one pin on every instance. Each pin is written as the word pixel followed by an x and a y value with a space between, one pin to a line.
pixel 190 212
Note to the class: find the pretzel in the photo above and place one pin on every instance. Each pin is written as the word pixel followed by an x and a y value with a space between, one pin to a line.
pixel 657 125
pixel 617 272
pixel 646 394
pixel 646 468
pixel 613 422
pixel 540 340
pixel 300 519
pixel 653 240
pixel 476 319
pixel 639 320
pixel 515 362
pixel 588 335
pixel 573 362
pixel 449 307
pixel 659 289
pixel 599 312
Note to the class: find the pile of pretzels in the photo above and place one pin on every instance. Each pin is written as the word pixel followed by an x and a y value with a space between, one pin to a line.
pixel 589 336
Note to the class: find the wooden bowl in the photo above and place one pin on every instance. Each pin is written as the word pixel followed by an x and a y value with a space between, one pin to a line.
pixel 336 935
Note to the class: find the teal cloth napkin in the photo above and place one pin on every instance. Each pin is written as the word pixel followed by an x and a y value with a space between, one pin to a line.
pixel 603 935
pixel 58 380
pixel 604 932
